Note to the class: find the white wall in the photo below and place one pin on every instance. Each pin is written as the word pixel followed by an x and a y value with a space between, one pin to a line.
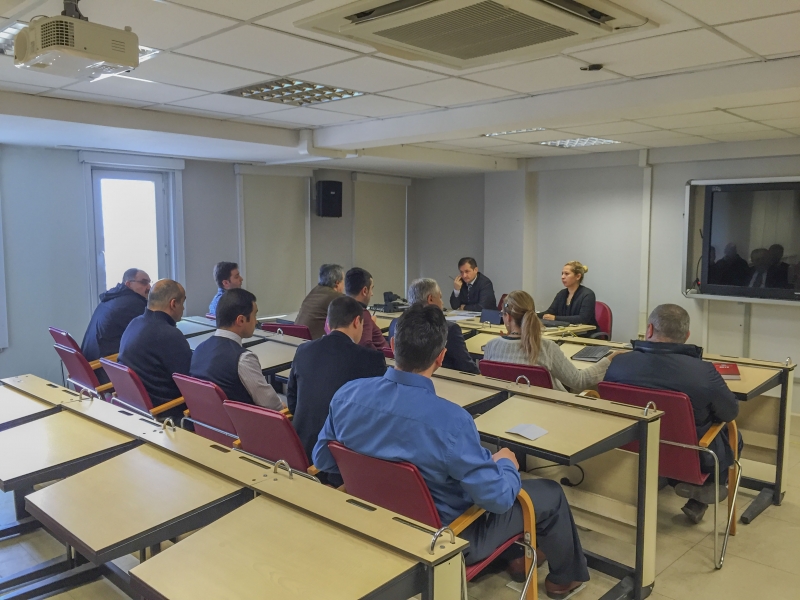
pixel 445 223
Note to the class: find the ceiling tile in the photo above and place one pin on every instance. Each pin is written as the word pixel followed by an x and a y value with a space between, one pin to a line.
pixel 714 12
pixel 795 131
pixel 172 108
pixel 238 9
pixel 532 137
pixel 230 104
pixel 448 92
pixel 370 105
pixel 537 150
pixel 621 147
pixel 540 75
pixel 266 51
pixel 790 94
pixel 309 116
pixel 617 127
pixel 686 140
pixel 773 35
pixel 724 128
pixel 698 119
pixel 790 123
pixel 645 137
pixel 256 120
pixel 665 53
pixel 368 74
pixel 8 72
pixel 194 73
pixel 481 142
pixel 784 110
pixel 135 89
pixel 84 97
pixel 770 134
pixel 24 88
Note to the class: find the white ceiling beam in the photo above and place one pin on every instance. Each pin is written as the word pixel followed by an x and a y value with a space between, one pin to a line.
pixel 443 157
pixel 608 101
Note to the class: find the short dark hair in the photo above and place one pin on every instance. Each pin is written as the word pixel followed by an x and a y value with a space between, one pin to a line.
pixel 343 311
pixel 234 302
pixel 223 270
pixel 330 275
pixel 130 275
pixel 468 260
pixel 355 280
pixel 419 336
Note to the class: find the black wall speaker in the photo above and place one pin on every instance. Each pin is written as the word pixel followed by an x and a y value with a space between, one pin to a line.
pixel 329 198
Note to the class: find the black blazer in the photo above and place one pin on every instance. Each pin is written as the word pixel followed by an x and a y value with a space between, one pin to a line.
pixel 481 296
pixel 457 356
pixel 319 369
pixel 580 310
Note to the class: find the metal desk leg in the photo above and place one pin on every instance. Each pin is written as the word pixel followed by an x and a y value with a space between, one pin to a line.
pixel 647 509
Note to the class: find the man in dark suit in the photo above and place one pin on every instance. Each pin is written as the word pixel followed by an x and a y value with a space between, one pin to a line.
pixel 427 291
pixel 472 290
pixel 314 308
pixel 321 367
pixel 778 271
pixel 664 361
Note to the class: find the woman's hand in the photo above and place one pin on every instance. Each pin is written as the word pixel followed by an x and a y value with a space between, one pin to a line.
pixel 549 317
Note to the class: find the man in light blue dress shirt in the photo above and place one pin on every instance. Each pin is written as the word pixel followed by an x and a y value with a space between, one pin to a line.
pixel 399 417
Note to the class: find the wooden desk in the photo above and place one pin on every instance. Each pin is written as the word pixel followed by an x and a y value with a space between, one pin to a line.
pixel 248 555
pixel 196 340
pixel 17 408
pixel 279 337
pixel 383 321
pixel 476 343
pixel 274 356
pixel 191 328
pixel 470 397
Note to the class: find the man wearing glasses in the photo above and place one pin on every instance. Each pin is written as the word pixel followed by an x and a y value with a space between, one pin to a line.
pixel 118 307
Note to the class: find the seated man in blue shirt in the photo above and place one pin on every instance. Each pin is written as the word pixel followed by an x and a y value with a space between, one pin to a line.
pixel 399 417
pixel 227 276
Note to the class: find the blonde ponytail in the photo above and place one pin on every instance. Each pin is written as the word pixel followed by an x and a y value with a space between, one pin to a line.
pixel 520 307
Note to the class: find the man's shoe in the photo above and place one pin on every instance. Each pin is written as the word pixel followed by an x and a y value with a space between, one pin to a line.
pixel 702 493
pixel 516 567
pixel 558 591
pixel 694 510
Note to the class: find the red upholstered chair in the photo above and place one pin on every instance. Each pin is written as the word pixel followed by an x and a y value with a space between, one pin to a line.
pixel 501 302
pixel 399 487
pixel 298 331
pixel 81 375
pixel 204 408
pixel 63 338
pixel 604 318
pixel 679 454
pixel 388 352
pixel 129 390
pixel 268 434
pixel 538 376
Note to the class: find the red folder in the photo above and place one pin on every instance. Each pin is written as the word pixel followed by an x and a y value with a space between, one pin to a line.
pixel 728 370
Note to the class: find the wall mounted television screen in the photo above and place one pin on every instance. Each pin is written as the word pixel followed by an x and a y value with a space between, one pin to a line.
pixel 751 241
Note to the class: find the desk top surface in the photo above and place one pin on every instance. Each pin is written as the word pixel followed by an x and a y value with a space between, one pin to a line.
pixel 128 495
pixel 462 394
pixel 191 328
pixel 569 431
pixel 14 405
pixel 196 340
pixel 254 553
pixel 272 354
pixel 51 441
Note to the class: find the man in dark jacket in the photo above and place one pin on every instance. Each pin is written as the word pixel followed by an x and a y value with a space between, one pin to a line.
pixel 665 361
pixel 358 284
pixel 118 307
pixel 472 290
pixel 321 367
pixel 427 291
pixel 314 308
pixel 154 348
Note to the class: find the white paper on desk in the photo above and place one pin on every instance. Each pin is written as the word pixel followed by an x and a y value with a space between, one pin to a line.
pixel 459 317
pixel 528 430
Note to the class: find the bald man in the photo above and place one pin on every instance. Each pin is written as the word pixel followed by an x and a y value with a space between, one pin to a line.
pixel 154 348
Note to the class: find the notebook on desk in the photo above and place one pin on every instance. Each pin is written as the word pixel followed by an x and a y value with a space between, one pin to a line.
pixel 592 353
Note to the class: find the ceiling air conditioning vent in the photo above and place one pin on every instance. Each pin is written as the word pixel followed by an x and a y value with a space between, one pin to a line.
pixel 470 33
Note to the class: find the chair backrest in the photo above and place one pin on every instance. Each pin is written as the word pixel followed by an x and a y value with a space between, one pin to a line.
pixel 62 338
pixel 388 352
pixel 501 302
pixel 127 385
pixel 677 425
pixel 538 376
pixel 80 372
pixel 396 486
pixel 604 318
pixel 204 400
pixel 298 331
pixel 211 316
pixel 267 433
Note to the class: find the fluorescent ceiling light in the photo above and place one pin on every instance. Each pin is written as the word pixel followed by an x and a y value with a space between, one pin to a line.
pixel 7 35
pixel 579 142
pixel 293 92
pixel 146 53
pixel 496 133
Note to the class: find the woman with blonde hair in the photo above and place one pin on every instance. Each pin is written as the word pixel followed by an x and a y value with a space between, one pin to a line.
pixel 575 303
pixel 524 344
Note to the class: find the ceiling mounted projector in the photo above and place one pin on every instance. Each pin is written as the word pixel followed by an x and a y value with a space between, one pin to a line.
pixel 69 46
pixel 471 33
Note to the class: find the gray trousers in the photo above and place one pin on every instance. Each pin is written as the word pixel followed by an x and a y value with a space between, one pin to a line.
pixel 556 534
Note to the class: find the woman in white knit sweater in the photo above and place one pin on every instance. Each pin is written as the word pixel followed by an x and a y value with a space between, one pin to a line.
pixel 525 345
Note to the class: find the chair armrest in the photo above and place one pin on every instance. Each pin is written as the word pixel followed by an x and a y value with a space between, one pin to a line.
pixel 237 443
pixel 95 364
pixel 186 413
pixel 589 394
pixel 312 470
pixel 112 357
pixel 711 434
pixel 466 518
pixel 166 406
pixel 598 335
pixel 105 387
pixel 341 488
pixel 733 438
pixel 286 413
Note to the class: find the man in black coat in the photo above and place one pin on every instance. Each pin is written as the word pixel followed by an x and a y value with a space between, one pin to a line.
pixel 472 290
pixel 118 306
pixel 665 361
pixel 322 366
pixel 427 291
